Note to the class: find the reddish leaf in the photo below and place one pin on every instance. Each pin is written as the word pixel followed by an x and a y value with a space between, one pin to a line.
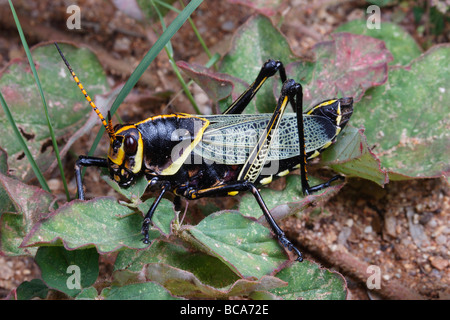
pixel 346 66
pixel 30 202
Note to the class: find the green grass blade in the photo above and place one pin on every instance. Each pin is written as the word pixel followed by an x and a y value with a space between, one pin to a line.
pixel 191 22
pixel 147 60
pixel 41 92
pixel 169 50
pixel 22 142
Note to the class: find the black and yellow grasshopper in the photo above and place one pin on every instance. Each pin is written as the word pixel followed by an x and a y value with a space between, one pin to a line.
pixel 195 156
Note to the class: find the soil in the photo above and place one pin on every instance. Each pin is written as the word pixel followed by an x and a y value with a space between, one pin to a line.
pixel 400 231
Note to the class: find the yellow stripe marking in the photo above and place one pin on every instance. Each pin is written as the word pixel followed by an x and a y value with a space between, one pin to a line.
pixel 283 173
pixel 175 166
pixel 315 154
pixel 266 180
pixel 323 104
pixel 326 145
pixel 254 156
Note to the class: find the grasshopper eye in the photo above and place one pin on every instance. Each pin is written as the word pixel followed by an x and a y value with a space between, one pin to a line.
pixel 130 145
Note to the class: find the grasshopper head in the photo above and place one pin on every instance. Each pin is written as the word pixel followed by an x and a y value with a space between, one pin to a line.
pixel 125 154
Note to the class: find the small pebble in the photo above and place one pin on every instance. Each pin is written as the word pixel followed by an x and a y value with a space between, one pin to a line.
pixel 439 263
pixel 228 26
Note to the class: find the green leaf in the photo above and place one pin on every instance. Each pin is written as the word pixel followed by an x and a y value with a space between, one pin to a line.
pixel 132 193
pixel 352 156
pixel 67 110
pixel 31 203
pixel 186 273
pixel 247 247
pixel 208 269
pixel 101 222
pixel 399 42
pixel 308 281
pixel 163 217
pixel 31 289
pixel 89 293
pixel 137 291
pixel 185 283
pixel 68 271
pixel 406 118
pixel 253 44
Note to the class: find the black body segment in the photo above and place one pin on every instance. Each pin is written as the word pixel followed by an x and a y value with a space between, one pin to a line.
pixel 221 155
pixel 168 141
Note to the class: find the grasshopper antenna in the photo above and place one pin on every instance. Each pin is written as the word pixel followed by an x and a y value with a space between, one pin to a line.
pixel 108 125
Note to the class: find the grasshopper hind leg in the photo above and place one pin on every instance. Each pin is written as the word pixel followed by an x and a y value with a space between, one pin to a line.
pixel 274 226
pixel 307 190
pixel 248 186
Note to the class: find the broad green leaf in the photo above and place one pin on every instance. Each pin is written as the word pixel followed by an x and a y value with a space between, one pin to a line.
pixel 399 42
pixel 406 120
pixel 254 43
pixel 186 273
pixel 101 222
pixel 185 283
pixel 352 156
pixel 137 291
pixel 132 193
pixel 163 217
pixel 247 247
pixel 30 289
pixel 89 293
pixel 30 205
pixel 67 109
pixel 308 281
pixel 68 271
pixel 208 269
